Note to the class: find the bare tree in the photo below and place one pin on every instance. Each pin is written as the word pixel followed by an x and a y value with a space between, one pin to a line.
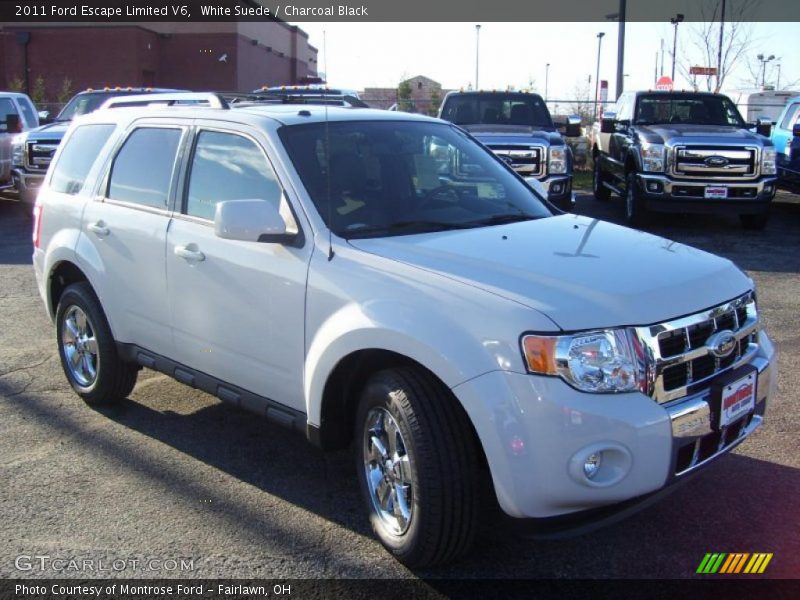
pixel 583 102
pixel 703 46
pixel 758 72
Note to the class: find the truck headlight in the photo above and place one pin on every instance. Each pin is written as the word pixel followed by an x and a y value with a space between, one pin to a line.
pixel 557 160
pixel 595 361
pixel 768 161
pixel 18 150
pixel 653 158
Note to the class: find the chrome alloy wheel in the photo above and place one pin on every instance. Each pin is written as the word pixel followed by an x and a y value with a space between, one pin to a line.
pixel 388 471
pixel 80 346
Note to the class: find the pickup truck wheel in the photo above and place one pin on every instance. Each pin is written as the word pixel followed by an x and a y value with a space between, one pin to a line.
pixel 600 191
pixel 635 211
pixel 755 222
pixel 417 466
pixel 87 349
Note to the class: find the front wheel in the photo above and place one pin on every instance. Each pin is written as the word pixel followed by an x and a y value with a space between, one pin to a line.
pixel 87 349
pixel 417 466
pixel 601 192
pixel 635 211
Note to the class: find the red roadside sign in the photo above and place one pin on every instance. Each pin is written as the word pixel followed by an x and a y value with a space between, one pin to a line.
pixel 664 84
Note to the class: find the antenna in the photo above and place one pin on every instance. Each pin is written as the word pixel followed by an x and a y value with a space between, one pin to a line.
pixel 328 154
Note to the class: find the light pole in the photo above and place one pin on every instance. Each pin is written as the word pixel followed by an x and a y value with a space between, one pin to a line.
pixel 546 79
pixel 597 76
pixel 620 18
pixel 675 20
pixel 477 52
pixel 764 60
pixel 778 82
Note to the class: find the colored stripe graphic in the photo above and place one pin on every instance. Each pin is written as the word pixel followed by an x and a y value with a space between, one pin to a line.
pixel 723 563
pixel 711 562
pixel 734 563
pixel 758 563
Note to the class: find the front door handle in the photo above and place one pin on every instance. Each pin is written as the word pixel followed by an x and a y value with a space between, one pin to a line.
pixel 188 253
pixel 99 228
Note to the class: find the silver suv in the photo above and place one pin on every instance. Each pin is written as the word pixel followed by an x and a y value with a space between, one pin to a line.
pixel 380 280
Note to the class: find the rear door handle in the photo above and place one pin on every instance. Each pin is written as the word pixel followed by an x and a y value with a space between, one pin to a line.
pixel 188 254
pixel 99 228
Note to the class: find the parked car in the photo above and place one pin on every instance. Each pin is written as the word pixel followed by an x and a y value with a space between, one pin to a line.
pixel 17 114
pixel 684 152
pixel 380 280
pixel 784 137
pixel 33 150
pixel 518 128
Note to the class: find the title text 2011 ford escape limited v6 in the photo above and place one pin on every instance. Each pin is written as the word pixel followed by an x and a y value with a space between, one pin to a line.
pixel 379 279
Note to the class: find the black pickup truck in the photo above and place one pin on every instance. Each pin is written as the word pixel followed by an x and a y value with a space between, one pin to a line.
pixel 688 152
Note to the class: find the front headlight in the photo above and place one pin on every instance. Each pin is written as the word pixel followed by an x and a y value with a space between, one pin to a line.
pixel 18 150
pixel 596 361
pixel 768 161
pixel 557 161
pixel 653 158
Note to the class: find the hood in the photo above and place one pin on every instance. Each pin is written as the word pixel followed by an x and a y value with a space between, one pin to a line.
pixel 51 131
pixel 698 134
pixel 512 134
pixel 582 273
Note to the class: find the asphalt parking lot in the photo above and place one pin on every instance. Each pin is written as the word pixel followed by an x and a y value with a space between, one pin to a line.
pixel 174 474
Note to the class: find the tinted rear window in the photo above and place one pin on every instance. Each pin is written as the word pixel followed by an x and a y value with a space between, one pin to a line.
pixel 143 168
pixel 77 158
pixel 497 109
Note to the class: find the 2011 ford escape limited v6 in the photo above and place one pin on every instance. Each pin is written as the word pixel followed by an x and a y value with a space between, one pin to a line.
pixel 379 279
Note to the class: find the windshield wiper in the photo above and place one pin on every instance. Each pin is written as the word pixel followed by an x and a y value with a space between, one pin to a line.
pixel 406 226
pixel 501 219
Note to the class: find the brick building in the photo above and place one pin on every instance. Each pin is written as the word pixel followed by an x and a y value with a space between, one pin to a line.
pixel 424 92
pixel 238 56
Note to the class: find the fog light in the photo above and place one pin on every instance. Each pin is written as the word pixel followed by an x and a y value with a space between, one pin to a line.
pixel 654 187
pixel 556 188
pixel 592 464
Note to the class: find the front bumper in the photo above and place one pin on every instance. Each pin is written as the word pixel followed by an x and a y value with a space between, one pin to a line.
pixel 662 194
pixel 26 184
pixel 536 431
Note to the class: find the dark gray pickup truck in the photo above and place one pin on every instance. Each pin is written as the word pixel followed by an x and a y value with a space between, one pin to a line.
pixel 688 152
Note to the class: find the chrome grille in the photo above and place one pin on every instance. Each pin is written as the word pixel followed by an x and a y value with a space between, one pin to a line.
pixel 39 155
pixel 525 159
pixel 681 361
pixel 718 162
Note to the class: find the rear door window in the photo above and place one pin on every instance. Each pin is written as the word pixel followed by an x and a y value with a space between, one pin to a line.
pixel 7 107
pixel 143 168
pixel 77 158
pixel 791 113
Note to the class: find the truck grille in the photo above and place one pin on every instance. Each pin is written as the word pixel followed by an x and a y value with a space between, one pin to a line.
pixel 524 159
pixel 40 154
pixel 682 362
pixel 718 162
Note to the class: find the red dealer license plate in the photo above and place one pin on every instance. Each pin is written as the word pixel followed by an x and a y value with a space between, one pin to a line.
pixel 719 193
pixel 738 398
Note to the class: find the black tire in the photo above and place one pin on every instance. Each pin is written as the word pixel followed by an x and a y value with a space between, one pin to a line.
pixel 754 222
pixel 601 192
pixel 113 378
pixel 442 466
pixel 635 210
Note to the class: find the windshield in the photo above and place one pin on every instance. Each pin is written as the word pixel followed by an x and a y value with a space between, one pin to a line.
pixel 688 109
pixel 497 109
pixel 399 177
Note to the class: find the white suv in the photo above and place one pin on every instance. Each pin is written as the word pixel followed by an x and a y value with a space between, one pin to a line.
pixel 380 279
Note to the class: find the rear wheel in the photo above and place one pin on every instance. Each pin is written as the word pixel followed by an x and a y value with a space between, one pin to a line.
pixel 87 349
pixel 600 191
pixel 635 211
pixel 417 466
pixel 755 222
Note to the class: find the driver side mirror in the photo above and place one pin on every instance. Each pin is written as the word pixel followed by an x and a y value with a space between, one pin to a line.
pixel 13 123
pixel 44 117
pixel 608 125
pixel 796 130
pixel 250 221
pixel 573 128
pixel 764 127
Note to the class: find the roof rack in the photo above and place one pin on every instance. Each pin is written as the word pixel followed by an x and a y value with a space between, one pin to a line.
pixel 210 99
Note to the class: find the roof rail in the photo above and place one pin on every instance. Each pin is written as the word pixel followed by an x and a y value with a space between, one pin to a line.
pixel 210 99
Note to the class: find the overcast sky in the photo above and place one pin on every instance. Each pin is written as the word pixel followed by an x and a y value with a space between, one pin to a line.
pixel 380 54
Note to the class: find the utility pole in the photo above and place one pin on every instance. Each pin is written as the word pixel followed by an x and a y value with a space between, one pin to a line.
pixel 477 53
pixel 721 35
pixel 597 77
pixel 675 20
pixel 621 48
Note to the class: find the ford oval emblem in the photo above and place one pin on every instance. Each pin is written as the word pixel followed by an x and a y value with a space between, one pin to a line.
pixel 722 343
pixel 506 159
pixel 716 161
